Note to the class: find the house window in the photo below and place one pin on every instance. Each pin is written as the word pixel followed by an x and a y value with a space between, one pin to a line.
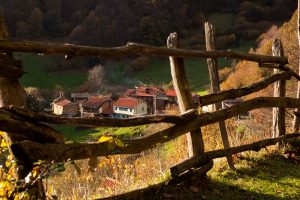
pixel 123 109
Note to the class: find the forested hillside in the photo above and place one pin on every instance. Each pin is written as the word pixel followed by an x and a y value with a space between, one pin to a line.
pixel 114 22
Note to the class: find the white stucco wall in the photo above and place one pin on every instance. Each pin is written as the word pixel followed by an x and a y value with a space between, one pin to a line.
pixel 57 109
pixel 141 109
pixel 129 111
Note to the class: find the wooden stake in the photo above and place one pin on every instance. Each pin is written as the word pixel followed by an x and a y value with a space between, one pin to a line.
pixel 296 120
pixel 215 84
pixel 279 91
pixel 184 96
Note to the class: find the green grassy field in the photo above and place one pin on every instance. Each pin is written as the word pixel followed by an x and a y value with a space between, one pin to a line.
pixel 259 177
pixel 82 135
pixel 38 76
pixel 72 134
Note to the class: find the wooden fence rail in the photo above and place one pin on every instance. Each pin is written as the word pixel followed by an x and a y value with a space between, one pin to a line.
pixel 34 151
pixel 32 139
pixel 130 49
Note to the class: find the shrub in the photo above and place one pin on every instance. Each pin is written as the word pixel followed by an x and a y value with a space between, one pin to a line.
pixel 224 73
pixel 239 78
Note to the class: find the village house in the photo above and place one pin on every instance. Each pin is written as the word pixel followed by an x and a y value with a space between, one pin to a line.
pixel 126 107
pixel 98 106
pixel 64 107
pixel 172 97
pixel 154 97
pixel 233 102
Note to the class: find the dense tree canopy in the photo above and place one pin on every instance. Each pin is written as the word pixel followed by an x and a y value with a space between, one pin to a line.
pixel 114 22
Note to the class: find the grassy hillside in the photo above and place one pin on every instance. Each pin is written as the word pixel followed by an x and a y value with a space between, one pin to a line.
pixel 38 76
pixel 259 176
pixel 157 73
pixel 82 135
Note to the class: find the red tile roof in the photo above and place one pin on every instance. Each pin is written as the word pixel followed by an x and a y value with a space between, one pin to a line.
pixel 63 102
pixel 143 94
pixel 127 102
pixel 171 93
pixel 94 102
pixel 144 91
pixel 149 89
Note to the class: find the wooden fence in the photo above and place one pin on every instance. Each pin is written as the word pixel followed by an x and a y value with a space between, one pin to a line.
pixel 32 140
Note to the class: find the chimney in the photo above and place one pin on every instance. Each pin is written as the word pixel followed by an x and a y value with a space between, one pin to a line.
pixel 61 95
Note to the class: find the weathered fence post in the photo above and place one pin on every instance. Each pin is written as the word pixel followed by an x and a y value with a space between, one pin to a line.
pixel 296 120
pixel 215 84
pixel 279 91
pixel 184 96
pixel 12 93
